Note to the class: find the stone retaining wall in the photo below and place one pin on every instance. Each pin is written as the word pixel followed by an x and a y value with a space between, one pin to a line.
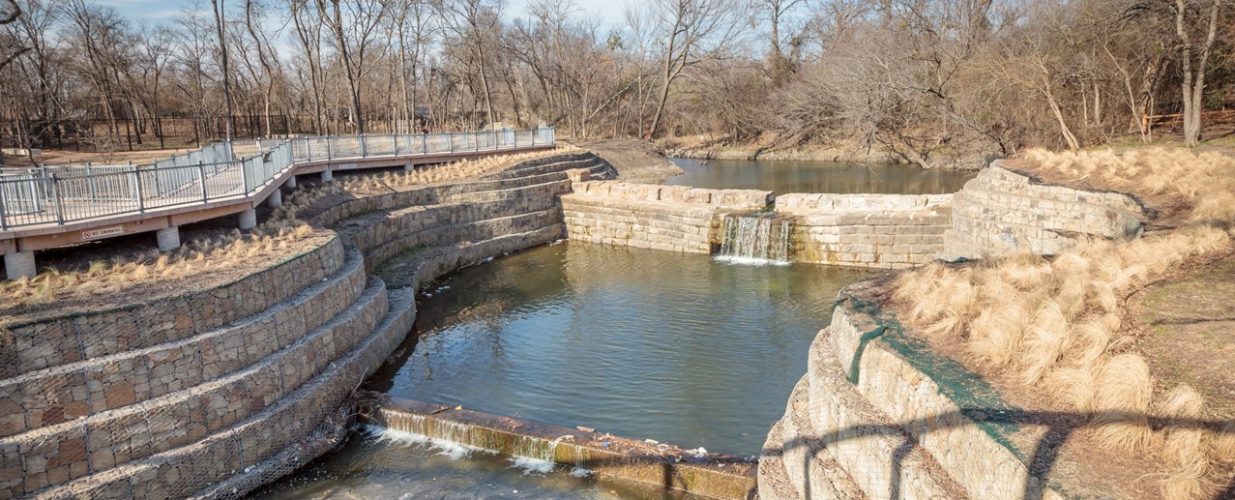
pixel 867 230
pixel 881 231
pixel 214 392
pixel 52 340
pixel 109 382
pixel 1003 211
pixel 883 412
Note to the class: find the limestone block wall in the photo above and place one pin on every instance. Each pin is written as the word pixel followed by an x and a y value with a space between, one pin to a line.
pixel 880 414
pixel 212 392
pixel 1004 211
pixel 674 218
pixel 866 230
pixel 56 338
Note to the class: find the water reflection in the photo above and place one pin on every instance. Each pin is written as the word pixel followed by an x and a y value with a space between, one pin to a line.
pixel 794 176
pixel 639 343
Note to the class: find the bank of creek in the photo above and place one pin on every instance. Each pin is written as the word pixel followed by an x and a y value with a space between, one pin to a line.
pixel 674 347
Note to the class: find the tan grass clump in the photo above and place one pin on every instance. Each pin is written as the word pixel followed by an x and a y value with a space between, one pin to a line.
pixel 1052 326
pixel 1223 448
pixel 1121 404
pixel 1204 182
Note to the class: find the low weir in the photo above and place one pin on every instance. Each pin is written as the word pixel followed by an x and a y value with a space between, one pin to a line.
pixel 654 468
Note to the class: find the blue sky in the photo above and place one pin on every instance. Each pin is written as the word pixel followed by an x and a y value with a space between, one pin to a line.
pixel 609 12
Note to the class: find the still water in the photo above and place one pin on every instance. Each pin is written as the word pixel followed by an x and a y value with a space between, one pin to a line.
pixel 639 343
pixel 794 176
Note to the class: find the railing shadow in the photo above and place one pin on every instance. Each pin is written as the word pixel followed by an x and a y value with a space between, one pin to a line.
pixel 1060 427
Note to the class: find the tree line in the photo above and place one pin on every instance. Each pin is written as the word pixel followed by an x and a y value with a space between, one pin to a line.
pixel 927 80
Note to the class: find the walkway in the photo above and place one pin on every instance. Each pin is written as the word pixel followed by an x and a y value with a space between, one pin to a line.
pixel 62 206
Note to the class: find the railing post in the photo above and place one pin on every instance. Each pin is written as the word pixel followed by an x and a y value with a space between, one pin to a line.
pixel 476 140
pixel 424 143
pixel 3 223
pixel 201 174
pixel 450 140
pixel 244 172
pixel 55 193
pixel 534 137
pixel 329 153
pixel 364 150
pixel 94 191
pixel 495 139
pixel 395 138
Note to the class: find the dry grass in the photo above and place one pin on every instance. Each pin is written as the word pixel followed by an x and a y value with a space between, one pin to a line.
pixel 1204 183
pixel 1052 326
pixel 449 172
pixel 278 235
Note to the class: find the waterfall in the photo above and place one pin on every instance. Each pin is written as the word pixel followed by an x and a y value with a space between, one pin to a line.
pixel 755 239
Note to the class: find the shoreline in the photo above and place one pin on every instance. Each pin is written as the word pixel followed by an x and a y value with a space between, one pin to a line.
pixel 752 152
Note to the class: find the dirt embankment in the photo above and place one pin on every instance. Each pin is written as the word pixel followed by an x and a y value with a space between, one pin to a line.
pixel 704 148
pixel 635 160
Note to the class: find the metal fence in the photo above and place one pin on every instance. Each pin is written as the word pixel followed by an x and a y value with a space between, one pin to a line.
pixel 62 194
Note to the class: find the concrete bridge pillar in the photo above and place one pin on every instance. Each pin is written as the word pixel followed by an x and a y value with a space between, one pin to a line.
pixel 248 219
pixel 169 238
pixel 291 183
pixel 327 176
pixel 19 265
pixel 276 199
pixel 409 167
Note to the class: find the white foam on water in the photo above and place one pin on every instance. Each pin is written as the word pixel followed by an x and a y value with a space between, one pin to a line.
pixel 446 448
pixel 532 465
pixel 749 261
pixel 581 472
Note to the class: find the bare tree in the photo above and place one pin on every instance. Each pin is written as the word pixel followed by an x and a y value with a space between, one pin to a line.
pixel 694 31
pixel 1193 60
pixel 363 18
pixel 229 119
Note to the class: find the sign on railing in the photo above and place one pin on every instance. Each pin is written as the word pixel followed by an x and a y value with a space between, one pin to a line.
pixel 62 194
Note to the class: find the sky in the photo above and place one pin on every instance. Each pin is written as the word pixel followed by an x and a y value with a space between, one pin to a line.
pixel 609 12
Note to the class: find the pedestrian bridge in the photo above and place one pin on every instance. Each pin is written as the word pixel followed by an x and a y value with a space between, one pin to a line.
pixel 61 206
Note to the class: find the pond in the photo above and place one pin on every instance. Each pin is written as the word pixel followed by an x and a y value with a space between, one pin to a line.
pixel 796 176
pixel 639 343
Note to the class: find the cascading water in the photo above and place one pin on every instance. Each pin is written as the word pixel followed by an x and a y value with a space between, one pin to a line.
pixel 755 239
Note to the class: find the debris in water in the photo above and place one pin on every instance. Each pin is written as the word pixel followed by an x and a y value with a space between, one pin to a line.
pixel 651 441
pixel 585 428
pixel 699 452
pixel 580 472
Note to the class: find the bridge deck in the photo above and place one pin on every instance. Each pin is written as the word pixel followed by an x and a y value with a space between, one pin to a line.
pixel 209 195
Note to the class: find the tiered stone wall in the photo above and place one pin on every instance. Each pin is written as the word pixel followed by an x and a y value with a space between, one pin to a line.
pixel 879 415
pixel 675 218
pixel 1004 211
pixel 213 392
pixel 867 230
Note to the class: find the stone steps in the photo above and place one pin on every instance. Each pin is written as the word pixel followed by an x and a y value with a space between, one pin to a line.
pixel 468 231
pixel 46 342
pixel 258 444
pixel 548 165
pixel 115 437
pixel 88 387
pixel 936 401
pixel 809 465
pixel 773 482
pixel 881 456
pixel 232 421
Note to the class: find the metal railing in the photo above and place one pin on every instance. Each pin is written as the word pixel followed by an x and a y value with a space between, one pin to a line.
pixel 63 194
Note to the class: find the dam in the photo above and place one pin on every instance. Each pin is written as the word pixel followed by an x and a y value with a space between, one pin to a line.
pixel 407 295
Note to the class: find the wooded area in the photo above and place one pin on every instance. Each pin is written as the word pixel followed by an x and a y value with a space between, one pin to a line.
pixel 925 79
